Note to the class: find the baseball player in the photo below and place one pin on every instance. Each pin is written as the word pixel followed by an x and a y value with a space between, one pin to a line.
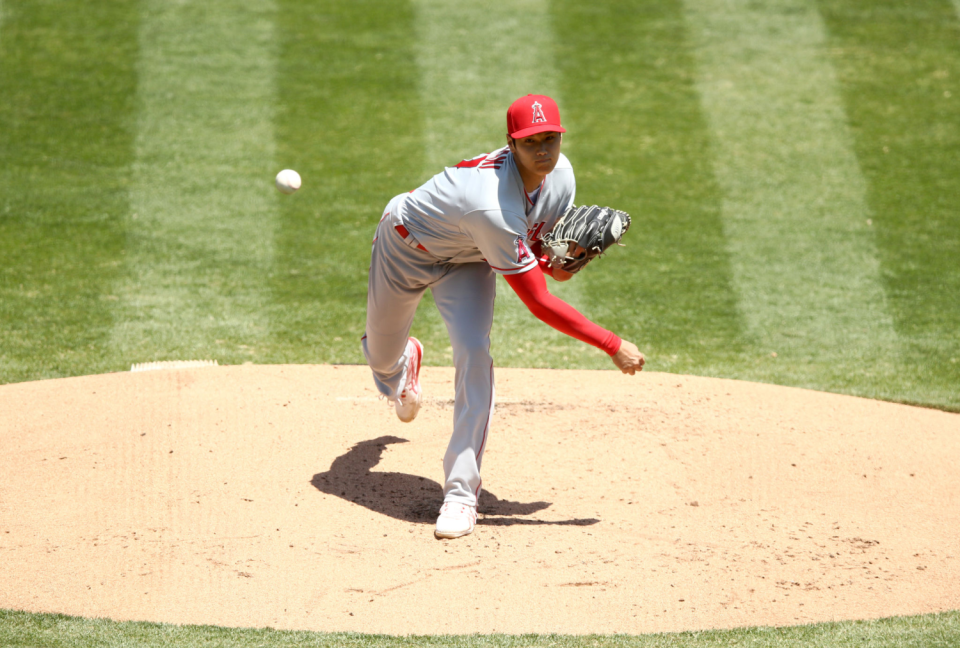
pixel 453 235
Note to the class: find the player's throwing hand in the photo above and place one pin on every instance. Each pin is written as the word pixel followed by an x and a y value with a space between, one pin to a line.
pixel 628 359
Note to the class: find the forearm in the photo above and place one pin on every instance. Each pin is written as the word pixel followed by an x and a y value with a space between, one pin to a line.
pixel 550 309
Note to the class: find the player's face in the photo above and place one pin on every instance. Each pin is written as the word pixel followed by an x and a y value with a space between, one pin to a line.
pixel 538 153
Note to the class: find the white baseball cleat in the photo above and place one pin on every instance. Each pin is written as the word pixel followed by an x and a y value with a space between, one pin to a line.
pixel 455 520
pixel 409 402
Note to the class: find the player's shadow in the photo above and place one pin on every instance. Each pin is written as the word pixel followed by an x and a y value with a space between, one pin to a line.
pixel 410 497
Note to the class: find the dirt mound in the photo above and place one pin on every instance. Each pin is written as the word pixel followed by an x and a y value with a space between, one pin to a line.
pixel 291 497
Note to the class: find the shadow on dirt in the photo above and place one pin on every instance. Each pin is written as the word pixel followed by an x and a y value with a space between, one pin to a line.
pixel 409 497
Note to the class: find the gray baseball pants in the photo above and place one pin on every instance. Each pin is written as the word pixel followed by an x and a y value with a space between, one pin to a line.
pixel 464 294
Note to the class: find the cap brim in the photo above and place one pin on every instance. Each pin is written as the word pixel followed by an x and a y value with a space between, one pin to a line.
pixel 539 128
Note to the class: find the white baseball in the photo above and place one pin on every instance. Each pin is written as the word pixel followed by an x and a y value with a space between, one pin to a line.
pixel 616 227
pixel 288 181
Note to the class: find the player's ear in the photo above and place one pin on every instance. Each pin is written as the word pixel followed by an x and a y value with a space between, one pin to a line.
pixel 512 143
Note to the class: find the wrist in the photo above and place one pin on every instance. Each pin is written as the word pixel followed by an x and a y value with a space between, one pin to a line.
pixel 613 344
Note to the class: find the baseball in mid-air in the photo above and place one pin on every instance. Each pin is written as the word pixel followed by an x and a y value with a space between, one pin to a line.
pixel 288 181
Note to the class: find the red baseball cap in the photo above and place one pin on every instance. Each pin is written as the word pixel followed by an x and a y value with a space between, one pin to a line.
pixel 533 114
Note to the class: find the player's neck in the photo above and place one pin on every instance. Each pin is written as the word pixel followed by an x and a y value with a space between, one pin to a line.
pixel 530 179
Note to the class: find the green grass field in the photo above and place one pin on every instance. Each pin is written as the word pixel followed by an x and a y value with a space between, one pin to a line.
pixel 58 631
pixel 792 168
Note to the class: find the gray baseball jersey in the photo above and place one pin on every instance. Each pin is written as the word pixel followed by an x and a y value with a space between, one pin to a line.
pixel 451 235
pixel 479 211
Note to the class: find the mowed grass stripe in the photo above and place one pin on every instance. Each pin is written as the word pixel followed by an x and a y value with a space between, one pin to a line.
pixel 794 207
pixel 67 76
pixel 200 235
pixel 641 143
pixel 349 121
pixel 475 60
pixel 899 66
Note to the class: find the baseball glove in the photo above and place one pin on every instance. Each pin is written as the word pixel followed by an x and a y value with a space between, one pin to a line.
pixel 585 232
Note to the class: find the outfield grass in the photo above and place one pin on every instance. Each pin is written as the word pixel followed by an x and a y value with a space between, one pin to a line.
pixel 899 69
pixel 792 168
pixel 349 121
pixel 793 203
pixel 641 128
pixel 67 99
pixel 200 227
pixel 58 631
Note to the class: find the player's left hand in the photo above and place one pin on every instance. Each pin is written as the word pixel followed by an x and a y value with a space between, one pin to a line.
pixel 582 234
pixel 562 275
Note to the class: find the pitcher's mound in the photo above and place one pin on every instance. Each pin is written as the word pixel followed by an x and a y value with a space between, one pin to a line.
pixel 291 497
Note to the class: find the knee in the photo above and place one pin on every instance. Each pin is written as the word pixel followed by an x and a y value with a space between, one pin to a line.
pixel 475 351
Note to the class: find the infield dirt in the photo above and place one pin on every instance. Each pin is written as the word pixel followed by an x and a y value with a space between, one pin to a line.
pixel 291 497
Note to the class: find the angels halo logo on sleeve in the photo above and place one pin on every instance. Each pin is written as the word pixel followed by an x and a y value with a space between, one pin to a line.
pixel 523 252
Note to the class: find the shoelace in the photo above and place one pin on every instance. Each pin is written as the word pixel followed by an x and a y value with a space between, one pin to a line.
pixel 464 509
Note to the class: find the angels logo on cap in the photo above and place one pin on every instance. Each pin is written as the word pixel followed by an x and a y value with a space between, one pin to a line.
pixel 533 114
pixel 538 117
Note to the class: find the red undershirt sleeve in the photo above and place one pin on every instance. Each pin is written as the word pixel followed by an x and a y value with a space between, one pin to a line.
pixel 544 264
pixel 532 289
pixel 537 248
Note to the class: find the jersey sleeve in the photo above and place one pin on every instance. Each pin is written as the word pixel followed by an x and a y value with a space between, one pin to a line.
pixel 502 240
